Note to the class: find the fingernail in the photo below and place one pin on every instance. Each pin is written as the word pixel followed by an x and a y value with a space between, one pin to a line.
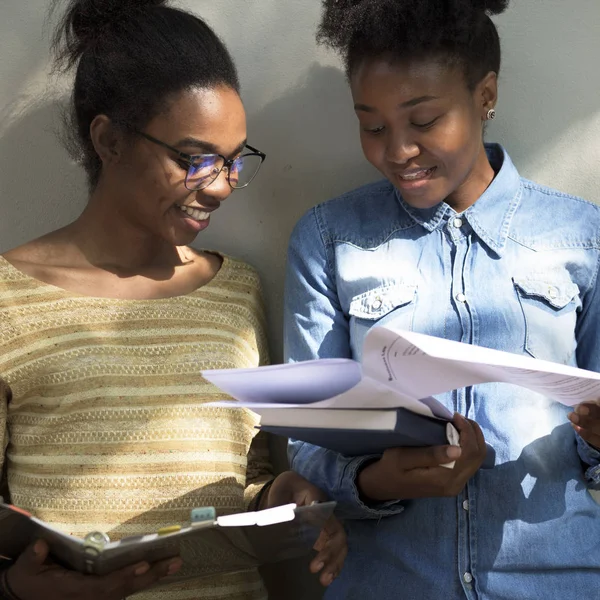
pixel 574 418
pixel 320 566
pixel 38 547
pixel 174 566
pixel 582 410
pixel 329 579
pixel 453 452
pixel 142 568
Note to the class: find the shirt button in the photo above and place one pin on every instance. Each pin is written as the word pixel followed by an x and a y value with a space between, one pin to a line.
pixel 461 297
pixel 466 505
pixel 552 292
pixel 376 304
pixel 467 578
pixel 457 223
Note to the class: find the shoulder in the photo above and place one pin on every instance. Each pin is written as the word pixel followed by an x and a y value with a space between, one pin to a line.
pixel 46 250
pixel 365 215
pixel 370 198
pixel 566 219
pixel 234 271
pixel 558 200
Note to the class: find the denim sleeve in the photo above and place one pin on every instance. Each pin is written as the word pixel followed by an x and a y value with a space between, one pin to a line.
pixel 588 357
pixel 316 327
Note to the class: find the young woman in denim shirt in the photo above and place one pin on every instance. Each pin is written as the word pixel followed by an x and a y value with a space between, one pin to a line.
pixel 453 243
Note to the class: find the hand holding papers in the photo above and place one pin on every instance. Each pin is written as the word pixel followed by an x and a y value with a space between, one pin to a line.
pixel 387 400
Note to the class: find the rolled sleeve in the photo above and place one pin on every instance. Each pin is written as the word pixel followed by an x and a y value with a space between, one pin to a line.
pixel 315 326
pixel 337 475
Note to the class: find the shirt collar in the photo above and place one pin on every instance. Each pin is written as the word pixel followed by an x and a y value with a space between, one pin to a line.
pixel 491 215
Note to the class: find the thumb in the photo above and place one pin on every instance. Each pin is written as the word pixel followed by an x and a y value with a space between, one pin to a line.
pixel 407 459
pixel 35 556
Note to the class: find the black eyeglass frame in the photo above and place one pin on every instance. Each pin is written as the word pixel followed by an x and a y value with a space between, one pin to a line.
pixel 227 162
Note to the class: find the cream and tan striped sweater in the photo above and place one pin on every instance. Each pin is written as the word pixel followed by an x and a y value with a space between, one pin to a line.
pixel 102 411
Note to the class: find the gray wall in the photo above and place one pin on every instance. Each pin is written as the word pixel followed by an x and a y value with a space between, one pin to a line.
pixel 300 114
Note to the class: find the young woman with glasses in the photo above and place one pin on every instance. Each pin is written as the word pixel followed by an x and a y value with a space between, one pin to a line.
pixel 453 243
pixel 106 323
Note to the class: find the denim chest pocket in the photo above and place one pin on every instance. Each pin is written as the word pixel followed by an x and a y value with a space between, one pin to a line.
pixel 549 303
pixel 390 304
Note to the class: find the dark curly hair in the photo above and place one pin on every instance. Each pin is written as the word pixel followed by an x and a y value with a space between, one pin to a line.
pixel 131 56
pixel 459 32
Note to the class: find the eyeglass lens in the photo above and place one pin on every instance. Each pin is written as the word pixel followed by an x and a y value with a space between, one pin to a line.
pixel 206 169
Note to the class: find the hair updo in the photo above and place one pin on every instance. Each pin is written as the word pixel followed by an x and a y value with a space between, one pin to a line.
pixel 459 32
pixel 130 57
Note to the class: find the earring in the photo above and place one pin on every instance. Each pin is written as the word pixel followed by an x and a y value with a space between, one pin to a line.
pixel 491 114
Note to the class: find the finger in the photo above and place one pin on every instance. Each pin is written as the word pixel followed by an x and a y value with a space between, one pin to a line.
pixel 34 557
pixel 331 528
pixel 466 430
pixel 407 459
pixel 479 437
pixel 321 541
pixel 589 436
pixel 332 539
pixel 586 415
pixel 471 440
pixel 141 576
pixel 333 559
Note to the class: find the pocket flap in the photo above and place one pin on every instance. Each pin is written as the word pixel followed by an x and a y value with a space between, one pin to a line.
pixel 557 291
pixel 377 303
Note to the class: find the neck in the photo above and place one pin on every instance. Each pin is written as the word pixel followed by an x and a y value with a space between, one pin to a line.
pixel 478 180
pixel 106 238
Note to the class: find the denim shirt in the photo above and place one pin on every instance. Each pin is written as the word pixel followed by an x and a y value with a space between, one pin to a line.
pixel 517 271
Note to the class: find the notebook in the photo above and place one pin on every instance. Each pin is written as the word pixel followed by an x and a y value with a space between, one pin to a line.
pixel 207 544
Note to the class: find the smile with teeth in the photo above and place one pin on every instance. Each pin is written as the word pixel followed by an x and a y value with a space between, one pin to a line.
pixel 196 214
pixel 414 175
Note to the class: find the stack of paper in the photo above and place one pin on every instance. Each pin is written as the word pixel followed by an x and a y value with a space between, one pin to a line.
pixel 387 400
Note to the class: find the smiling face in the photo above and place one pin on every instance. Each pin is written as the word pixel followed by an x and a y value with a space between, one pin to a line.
pixel 421 126
pixel 150 179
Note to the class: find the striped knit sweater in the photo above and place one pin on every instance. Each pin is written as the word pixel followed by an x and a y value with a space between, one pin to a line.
pixel 102 416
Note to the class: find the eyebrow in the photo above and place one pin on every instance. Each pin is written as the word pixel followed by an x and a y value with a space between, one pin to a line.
pixel 207 147
pixel 407 104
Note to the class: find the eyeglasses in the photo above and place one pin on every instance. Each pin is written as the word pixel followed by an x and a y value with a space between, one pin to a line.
pixel 203 169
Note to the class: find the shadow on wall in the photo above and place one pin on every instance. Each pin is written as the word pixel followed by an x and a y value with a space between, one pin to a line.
pixel 548 109
pixel 41 189
pixel 23 46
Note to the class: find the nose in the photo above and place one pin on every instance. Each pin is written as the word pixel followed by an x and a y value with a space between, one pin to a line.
pixel 219 189
pixel 401 148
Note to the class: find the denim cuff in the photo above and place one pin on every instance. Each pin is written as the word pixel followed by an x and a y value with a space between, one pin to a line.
pixel 592 475
pixel 351 495
pixel 589 455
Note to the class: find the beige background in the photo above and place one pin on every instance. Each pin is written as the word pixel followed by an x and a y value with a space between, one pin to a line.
pixel 300 114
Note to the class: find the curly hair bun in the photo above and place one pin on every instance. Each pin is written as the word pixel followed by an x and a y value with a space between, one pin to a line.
pixel 85 22
pixel 405 29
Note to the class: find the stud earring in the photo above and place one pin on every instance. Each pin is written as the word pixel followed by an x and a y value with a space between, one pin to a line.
pixel 491 114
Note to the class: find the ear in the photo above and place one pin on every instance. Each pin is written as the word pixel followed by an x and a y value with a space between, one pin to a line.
pixel 486 94
pixel 106 138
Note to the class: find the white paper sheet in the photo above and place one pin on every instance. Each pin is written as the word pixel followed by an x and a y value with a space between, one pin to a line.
pixel 422 365
pixel 401 369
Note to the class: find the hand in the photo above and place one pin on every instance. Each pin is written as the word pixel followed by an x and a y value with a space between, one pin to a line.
pixel 586 422
pixel 405 473
pixel 332 546
pixel 34 576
